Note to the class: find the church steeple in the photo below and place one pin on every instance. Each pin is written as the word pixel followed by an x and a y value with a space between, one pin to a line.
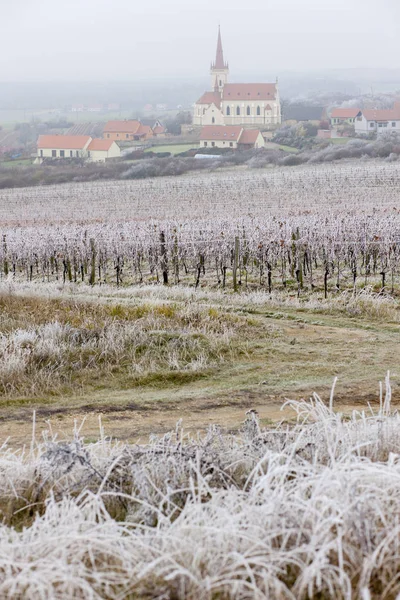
pixel 219 57
pixel 219 69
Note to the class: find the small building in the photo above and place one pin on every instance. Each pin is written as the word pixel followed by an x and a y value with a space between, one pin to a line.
pixel 378 121
pixel 157 127
pixel 62 146
pixel 101 150
pixel 251 139
pixel 339 116
pixel 230 136
pixel 124 131
pixel 75 146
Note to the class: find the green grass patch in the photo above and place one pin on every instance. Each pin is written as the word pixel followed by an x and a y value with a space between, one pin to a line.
pixel 173 148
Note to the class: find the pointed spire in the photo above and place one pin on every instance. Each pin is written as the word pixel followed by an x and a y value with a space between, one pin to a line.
pixel 216 89
pixel 219 59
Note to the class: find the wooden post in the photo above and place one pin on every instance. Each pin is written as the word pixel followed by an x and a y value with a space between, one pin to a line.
pixel 164 263
pixel 92 279
pixel 235 264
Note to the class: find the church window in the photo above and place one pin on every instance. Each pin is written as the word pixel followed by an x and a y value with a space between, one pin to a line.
pixel 220 83
pixel 238 110
pixel 248 111
pixel 213 120
pixel 258 111
pixel 228 110
pixel 204 111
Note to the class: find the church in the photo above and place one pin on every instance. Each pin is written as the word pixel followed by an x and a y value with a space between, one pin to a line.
pixel 245 104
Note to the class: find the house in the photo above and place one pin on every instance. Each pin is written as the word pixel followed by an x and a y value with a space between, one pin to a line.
pixel 339 116
pixel 230 136
pixel 370 120
pixel 245 104
pixel 157 127
pixel 62 146
pixel 101 150
pixel 251 139
pixel 75 146
pixel 123 131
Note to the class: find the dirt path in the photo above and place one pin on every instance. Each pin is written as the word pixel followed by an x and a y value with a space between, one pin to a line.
pixel 133 424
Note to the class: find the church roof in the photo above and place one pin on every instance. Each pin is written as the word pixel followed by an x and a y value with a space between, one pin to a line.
pixel 249 91
pixel 221 132
pixel 210 98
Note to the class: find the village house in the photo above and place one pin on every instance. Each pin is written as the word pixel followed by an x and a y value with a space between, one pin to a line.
pixel 245 104
pixel 340 116
pixel 230 137
pixel 370 120
pixel 75 146
pixel 124 131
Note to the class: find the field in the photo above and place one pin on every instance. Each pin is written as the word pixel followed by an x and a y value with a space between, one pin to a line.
pixel 151 335
pixel 173 148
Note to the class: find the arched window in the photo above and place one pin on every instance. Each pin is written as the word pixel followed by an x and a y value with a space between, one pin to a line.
pixel 220 83
pixel 238 110
pixel 248 111
pixel 213 120
pixel 228 110
pixel 204 111
pixel 258 111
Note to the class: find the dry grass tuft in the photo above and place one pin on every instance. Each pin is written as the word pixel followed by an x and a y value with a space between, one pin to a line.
pixel 52 346
pixel 309 511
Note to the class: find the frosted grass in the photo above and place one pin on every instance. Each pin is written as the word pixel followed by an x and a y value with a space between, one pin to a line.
pixel 307 511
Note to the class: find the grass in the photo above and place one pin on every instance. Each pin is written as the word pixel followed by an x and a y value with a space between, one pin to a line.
pixel 16 163
pixel 173 148
pixel 56 347
pixel 308 511
pixel 343 140
pixel 80 346
pixel 273 146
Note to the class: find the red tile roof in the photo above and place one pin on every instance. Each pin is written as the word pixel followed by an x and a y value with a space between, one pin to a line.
pixel 344 113
pixel 63 142
pixel 158 129
pixel 144 130
pixel 249 136
pixel 98 144
pixel 372 114
pixel 210 98
pixel 249 91
pixel 221 132
pixel 122 127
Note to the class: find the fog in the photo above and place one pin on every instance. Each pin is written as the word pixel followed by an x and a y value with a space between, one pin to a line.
pixel 94 40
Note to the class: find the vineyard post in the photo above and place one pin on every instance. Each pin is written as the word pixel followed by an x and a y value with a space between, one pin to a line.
pixel 5 266
pixel 164 263
pixel 92 279
pixel 235 264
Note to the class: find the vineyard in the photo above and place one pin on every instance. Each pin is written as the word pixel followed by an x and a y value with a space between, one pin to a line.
pixel 236 193
pixel 310 228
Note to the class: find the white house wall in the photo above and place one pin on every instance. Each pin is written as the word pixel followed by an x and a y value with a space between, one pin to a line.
pixel 363 126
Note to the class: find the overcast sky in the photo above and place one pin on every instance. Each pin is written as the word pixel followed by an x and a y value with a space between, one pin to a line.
pixel 47 40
